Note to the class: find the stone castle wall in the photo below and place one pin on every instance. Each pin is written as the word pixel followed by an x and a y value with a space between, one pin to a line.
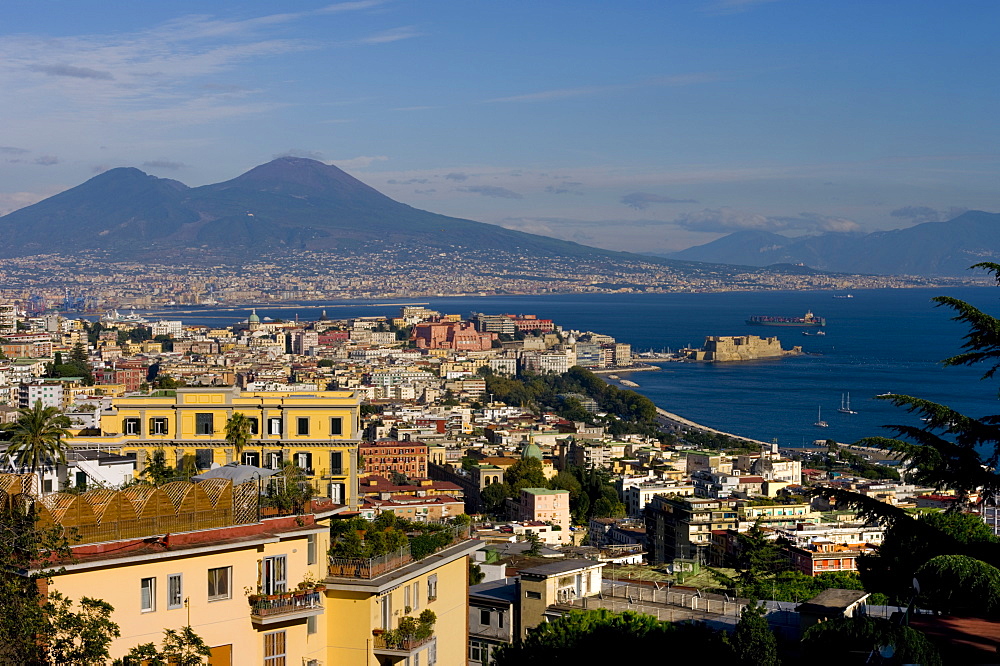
pixel 740 348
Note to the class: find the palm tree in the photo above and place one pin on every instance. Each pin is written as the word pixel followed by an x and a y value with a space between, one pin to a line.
pixel 238 431
pixel 37 437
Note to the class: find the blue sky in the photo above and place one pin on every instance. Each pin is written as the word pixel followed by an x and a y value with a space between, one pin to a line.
pixel 644 126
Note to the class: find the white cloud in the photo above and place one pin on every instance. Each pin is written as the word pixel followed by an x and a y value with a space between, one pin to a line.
pixel 725 220
pixel 586 91
pixel 359 162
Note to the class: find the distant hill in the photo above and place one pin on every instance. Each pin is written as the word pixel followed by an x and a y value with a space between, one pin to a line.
pixel 287 204
pixel 932 248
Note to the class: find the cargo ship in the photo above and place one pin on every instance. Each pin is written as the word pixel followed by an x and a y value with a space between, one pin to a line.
pixel 769 320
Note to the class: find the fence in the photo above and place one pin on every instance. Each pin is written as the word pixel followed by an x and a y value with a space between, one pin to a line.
pixel 373 567
pixel 147 527
pixel 286 603
pixel 704 603
pixel 401 644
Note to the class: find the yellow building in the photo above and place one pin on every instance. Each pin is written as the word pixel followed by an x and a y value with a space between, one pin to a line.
pixel 256 591
pixel 317 430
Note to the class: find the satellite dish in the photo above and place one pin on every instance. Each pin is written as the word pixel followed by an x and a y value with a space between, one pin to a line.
pixel 886 651
pixel 916 586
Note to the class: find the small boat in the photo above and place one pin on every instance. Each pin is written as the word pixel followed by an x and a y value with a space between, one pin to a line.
pixel 845 405
pixel 820 423
pixel 811 333
pixel 843 295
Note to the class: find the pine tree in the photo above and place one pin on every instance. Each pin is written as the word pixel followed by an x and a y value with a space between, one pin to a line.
pixel 157 471
pixel 951 451
pixel 753 641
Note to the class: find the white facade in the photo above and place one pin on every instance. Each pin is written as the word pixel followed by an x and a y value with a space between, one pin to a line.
pixel 541 362
pixel 50 394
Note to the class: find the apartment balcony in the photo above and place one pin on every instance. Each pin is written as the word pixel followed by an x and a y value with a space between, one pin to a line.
pixel 399 647
pixel 370 568
pixel 297 605
pixel 333 472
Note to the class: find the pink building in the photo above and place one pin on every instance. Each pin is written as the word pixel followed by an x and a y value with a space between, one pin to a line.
pixel 461 335
pixel 548 506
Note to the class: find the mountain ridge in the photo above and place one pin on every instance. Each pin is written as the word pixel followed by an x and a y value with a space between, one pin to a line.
pixel 287 204
pixel 930 249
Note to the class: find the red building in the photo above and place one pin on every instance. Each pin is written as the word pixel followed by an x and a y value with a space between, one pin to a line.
pixel 131 375
pixel 459 335
pixel 385 457
pixel 532 323
pixel 826 557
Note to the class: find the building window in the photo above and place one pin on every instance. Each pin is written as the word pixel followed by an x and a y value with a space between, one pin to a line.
pixel 432 587
pixel 385 611
pixel 175 591
pixel 158 426
pixel 148 595
pixel 311 624
pixel 479 651
pixel 251 458
pixel 336 462
pixel 304 461
pixel 406 599
pixel 311 549
pixel 337 495
pixel 219 583
pixel 484 616
pixel 132 426
pixel 532 595
pixel 274 426
pixel 302 425
pixel 274 649
pixel 432 653
pixel 203 458
pixel 337 426
pixel 273 573
pixel 274 460
pixel 254 425
pixel 416 595
pixel 203 424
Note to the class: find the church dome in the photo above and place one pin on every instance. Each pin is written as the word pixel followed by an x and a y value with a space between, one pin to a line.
pixel 531 450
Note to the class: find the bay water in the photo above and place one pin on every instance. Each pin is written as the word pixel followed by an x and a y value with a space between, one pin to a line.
pixel 879 341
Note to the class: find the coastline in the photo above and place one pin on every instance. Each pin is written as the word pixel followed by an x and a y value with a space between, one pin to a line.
pixel 673 422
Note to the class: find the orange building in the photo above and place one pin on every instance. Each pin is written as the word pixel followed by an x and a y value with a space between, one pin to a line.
pixel 386 457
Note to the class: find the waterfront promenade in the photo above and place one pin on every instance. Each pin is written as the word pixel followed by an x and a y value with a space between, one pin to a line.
pixel 676 422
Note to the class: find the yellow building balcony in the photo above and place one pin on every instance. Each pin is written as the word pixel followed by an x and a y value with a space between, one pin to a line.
pixel 391 644
pixel 370 568
pixel 285 607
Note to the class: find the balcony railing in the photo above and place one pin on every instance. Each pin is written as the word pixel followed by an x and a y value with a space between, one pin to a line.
pixel 283 605
pixel 400 643
pixel 372 567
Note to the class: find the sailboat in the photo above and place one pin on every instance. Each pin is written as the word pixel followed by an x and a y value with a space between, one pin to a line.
pixel 845 405
pixel 820 423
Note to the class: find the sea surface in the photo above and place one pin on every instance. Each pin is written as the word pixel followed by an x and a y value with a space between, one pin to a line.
pixel 879 341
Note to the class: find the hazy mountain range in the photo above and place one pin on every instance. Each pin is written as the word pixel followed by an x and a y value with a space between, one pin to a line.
pixel 293 204
pixel 932 248
pixel 287 204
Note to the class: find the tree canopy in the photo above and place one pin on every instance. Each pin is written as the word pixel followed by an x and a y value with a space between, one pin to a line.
pixel 598 636
pixel 36 438
pixel 950 452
